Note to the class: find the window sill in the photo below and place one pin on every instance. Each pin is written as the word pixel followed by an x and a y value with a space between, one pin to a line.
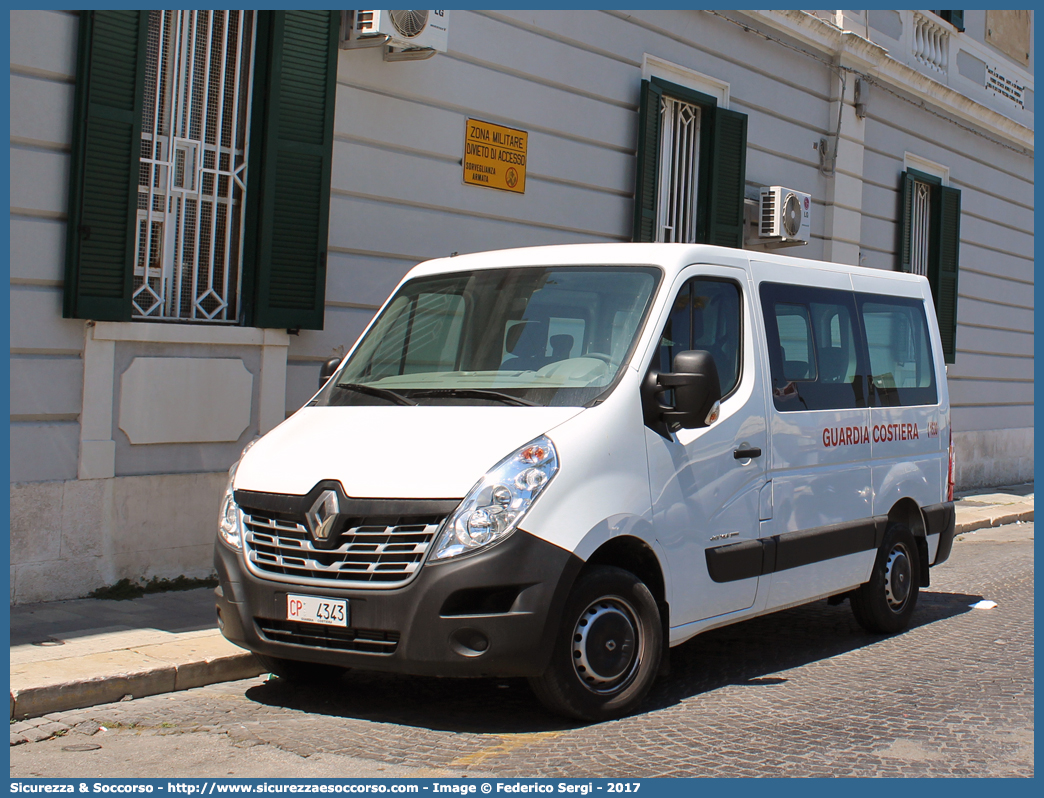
pixel 188 334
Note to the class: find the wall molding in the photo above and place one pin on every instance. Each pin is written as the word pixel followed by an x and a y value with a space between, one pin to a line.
pixel 97 457
pixel 873 59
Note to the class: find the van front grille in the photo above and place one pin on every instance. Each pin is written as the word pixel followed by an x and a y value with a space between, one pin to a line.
pixel 315 635
pixel 367 554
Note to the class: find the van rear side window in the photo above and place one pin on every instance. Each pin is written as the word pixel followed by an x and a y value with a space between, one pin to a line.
pixel 900 350
pixel 816 353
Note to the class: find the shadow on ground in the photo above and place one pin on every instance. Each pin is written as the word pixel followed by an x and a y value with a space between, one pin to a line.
pixel 750 653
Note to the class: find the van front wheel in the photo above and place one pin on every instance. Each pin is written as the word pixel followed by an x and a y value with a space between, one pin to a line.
pixel 608 648
pixel 885 603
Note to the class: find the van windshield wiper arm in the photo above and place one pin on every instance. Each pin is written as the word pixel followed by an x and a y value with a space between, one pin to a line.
pixel 477 393
pixel 373 390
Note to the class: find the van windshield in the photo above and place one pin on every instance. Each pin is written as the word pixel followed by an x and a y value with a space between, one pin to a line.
pixel 547 336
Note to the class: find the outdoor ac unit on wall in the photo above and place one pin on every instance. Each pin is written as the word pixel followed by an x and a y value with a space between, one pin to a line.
pixel 405 30
pixel 785 216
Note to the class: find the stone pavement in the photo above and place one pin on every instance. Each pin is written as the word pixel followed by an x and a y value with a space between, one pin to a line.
pixel 69 655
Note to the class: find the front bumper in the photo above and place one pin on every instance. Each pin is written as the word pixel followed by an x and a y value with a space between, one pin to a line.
pixel 494 613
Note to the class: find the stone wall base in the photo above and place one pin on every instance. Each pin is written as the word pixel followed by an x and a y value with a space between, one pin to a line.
pixel 69 538
pixel 993 457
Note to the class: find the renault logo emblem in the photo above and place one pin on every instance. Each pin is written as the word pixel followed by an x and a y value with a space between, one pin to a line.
pixel 322 515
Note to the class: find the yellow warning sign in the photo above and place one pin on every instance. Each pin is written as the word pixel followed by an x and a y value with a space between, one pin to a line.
pixel 495 156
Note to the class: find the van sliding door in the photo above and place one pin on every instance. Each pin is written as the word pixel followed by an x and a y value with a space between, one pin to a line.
pixel 908 425
pixel 821 537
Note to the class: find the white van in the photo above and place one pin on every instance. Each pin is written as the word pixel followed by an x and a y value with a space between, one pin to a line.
pixel 558 462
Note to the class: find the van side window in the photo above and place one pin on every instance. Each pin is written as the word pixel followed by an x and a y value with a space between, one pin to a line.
pixel 815 348
pixel 900 350
pixel 795 339
pixel 705 315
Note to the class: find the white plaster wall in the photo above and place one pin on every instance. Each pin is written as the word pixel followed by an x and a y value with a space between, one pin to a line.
pixel 991 383
pixel 571 80
pixel 46 364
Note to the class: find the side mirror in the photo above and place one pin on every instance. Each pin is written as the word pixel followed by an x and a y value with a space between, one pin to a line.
pixel 697 390
pixel 327 370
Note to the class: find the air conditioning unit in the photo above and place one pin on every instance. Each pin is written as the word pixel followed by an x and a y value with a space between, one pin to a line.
pixel 785 215
pixel 406 30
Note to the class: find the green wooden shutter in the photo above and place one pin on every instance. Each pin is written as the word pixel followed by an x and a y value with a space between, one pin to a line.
pixel 945 269
pixel 295 85
pixel 906 197
pixel 957 19
pixel 728 179
pixel 103 175
pixel 647 168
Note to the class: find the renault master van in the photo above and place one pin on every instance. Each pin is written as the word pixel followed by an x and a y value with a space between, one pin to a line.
pixel 559 462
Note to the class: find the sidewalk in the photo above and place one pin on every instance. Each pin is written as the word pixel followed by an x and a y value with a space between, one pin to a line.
pixel 73 654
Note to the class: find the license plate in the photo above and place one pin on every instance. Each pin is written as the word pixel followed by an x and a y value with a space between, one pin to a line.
pixel 311 609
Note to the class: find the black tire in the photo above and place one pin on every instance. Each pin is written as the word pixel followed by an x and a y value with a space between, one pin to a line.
pixel 885 603
pixel 305 673
pixel 607 652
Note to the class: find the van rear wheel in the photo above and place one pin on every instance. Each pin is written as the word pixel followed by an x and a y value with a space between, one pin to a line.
pixel 885 603
pixel 608 648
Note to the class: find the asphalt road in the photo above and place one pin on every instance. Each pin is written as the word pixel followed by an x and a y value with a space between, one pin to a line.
pixel 803 692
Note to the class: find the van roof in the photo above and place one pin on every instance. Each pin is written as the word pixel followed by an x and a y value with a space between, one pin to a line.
pixel 670 257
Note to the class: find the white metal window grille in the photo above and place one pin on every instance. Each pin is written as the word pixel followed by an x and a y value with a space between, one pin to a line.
pixel 679 171
pixel 192 183
pixel 919 226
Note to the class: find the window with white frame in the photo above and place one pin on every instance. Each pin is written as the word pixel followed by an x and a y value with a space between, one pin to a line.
pixel 199 177
pixel 192 184
pixel 929 239
pixel 691 170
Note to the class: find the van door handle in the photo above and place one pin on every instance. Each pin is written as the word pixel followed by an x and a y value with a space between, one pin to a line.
pixel 747 454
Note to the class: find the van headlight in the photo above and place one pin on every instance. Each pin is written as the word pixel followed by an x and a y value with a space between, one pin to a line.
pixel 230 519
pixel 493 508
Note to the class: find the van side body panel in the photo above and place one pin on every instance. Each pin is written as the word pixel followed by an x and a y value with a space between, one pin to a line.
pixel 602 486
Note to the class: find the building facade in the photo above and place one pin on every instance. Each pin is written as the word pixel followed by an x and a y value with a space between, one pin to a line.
pixel 206 206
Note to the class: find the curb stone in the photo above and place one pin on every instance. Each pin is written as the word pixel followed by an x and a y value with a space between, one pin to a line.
pixel 163 677
pixel 993 517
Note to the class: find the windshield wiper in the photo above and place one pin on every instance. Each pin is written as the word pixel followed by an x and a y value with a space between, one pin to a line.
pixel 373 390
pixel 477 393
